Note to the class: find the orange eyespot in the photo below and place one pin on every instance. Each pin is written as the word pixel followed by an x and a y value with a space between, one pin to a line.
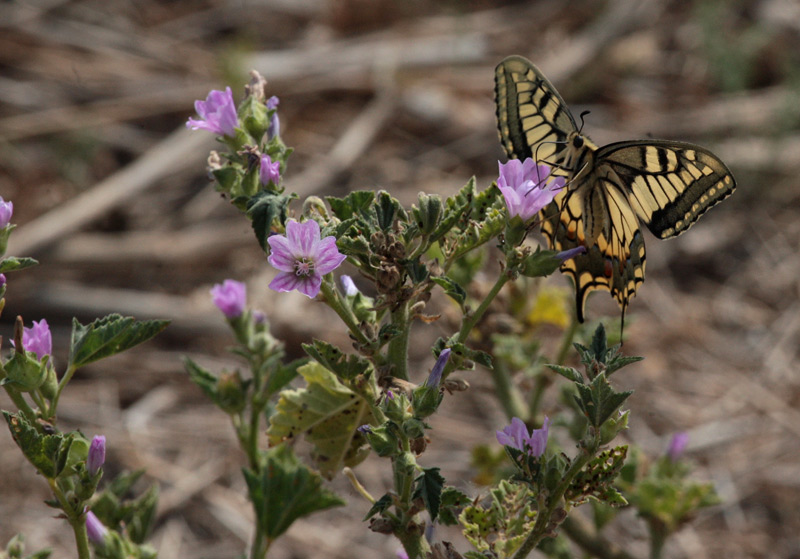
pixel 608 268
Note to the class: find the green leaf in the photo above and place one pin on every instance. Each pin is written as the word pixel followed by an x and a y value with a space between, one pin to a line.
pixel 263 209
pixel 344 366
pixel 13 263
pixel 499 528
pixel 568 373
pixel 476 355
pixel 429 488
pixel 108 336
pixel 387 209
pixel 284 491
pixel 356 203
pixel 142 515
pixel 598 400
pixel 595 479
pixel 453 501
pixel 451 288
pixel 205 379
pixel 328 414
pixel 43 451
pixel 379 506
pixel 283 375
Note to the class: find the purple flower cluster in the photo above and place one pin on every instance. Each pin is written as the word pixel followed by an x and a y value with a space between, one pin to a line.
pixel 38 339
pixel 516 436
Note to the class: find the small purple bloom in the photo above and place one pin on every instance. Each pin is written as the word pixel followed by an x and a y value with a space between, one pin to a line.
pixel 217 113
pixel 364 429
pixel 349 286
pixel 230 297
pixel 6 210
pixel 269 172
pixel 516 436
pixel 95 529
pixel 97 454
pixel 38 339
pixel 2 280
pixel 302 258
pixel 438 368
pixel 678 445
pixel 389 394
pixel 274 123
pixel 565 255
pixel 525 187
pixel 259 317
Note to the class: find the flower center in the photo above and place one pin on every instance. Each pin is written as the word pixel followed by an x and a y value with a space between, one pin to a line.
pixel 304 267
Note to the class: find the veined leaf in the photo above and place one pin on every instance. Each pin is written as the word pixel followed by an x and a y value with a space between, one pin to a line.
pixel 328 414
pixel 108 336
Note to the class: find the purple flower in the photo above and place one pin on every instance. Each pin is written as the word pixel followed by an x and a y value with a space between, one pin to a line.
pixel 677 445
pixel 6 210
pixel 349 286
pixel 565 255
pixel 230 297
pixel 436 373
pixel 95 529
pixel 274 123
pixel 38 339
pixel 525 187
pixel 270 172
pixel 516 436
pixel 259 317
pixel 217 113
pixel 364 429
pixel 97 454
pixel 2 280
pixel 302 257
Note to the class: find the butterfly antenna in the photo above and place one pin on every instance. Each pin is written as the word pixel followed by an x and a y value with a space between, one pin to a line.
pixel 583 113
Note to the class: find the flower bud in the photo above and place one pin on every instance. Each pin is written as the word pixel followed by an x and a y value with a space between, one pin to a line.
pixel 95 529
pixel 97 455
pixel 231 393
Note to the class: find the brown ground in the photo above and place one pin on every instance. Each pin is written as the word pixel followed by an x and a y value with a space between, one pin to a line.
pixel 111 196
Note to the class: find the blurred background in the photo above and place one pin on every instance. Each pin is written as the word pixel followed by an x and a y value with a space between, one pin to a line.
pixel 111 196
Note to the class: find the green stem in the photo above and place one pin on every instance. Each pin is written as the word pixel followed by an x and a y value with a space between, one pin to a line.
pixel 471 320
pixel 397 351
pixel 19 401
pixel 334 301
pixel 507 394
pixel 260 545
pixel 566 341
pixel 580 531
pixel 81 538
pixel 61 385
pixel 658 537
pixel 554 500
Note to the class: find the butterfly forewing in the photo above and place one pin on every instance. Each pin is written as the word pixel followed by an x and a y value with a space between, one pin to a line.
pixel 671 184
pixel 667 185
pixel 531 115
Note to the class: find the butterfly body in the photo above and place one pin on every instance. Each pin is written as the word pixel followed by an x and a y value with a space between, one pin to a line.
pixel 664 184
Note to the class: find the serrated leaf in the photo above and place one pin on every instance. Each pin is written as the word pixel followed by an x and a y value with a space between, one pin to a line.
pixel 595 479
pixel 108 336
pixel 451 288
pixel 567 372
pixel 283 375
pixel 205 379
pixel 379 506
pixel 500 527
pixel 388 332
pixel 284 491
pixel 387 209
pixel 453 501
pixel 354 204
pixel 263 209
pixel 41 450
pixel 598 400
pixel 618 362
pixel 344 366
pixel 13 263
pixel 328 414
pixel 429 488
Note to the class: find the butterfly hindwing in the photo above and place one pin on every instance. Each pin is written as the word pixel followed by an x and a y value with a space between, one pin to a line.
pixel 667 185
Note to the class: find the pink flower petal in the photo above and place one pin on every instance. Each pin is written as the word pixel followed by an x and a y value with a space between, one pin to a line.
pixel 327 257
pixel 303 236
pixel 309 285
pixel 285 281
pixel 281 256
